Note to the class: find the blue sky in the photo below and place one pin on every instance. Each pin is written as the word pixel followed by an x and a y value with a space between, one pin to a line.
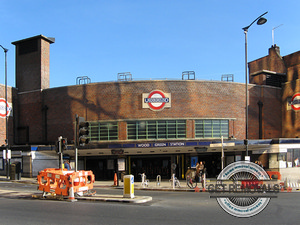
pixel 157 39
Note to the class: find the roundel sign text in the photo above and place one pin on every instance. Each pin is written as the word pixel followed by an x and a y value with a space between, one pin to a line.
pixel 4 108
pixel 156 100
pixel 295 102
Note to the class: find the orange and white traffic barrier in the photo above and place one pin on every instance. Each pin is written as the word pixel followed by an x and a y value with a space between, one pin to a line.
pixel 274 175
pixel 82 180
pixel 64 182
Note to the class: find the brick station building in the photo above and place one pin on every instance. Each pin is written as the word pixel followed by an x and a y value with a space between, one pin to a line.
pixel 159 127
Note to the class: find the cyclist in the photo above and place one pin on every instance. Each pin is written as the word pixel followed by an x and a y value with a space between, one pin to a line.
pixel 199 171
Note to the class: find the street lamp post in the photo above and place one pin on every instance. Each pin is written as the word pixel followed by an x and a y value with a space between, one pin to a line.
pixel 260 21
pixel 6 127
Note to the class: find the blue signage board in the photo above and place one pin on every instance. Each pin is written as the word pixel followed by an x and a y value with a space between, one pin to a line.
pixel 176 144
pixel 160 144
pixel 191 143
pixel 143 145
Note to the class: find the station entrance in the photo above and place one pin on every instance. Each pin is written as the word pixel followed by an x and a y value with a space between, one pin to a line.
pixel 211 161
pixel 104 168
pixel 151 166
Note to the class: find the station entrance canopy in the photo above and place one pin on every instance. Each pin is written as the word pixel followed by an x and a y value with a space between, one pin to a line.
pixel 176 147
pixel 182 147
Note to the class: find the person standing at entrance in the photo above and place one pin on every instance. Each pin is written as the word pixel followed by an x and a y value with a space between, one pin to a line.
pixel 199 171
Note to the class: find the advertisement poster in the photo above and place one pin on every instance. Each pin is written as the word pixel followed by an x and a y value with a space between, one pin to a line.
pixel 121 164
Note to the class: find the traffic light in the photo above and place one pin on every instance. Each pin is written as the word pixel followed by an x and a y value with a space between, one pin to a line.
pixel 83 132
pixel 63 144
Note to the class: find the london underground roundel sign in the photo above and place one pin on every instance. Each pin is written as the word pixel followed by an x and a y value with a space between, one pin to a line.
pixel 4 108
pixel 295 103
pixel 156 100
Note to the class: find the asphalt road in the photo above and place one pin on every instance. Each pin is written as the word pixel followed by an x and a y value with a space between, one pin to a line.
pixel 166 208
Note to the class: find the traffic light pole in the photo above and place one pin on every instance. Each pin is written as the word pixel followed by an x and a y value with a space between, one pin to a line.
pixel 76 141
pixel 60 152
pixel 81 135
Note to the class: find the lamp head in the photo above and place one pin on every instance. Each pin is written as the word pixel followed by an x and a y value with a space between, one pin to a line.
pixel 261 21
pixel 4 49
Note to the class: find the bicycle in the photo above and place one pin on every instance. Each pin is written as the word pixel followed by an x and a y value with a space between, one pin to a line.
pixel 191 179
pixel 176 182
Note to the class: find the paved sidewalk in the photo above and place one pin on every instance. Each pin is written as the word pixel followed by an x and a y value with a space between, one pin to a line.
pixel 164 185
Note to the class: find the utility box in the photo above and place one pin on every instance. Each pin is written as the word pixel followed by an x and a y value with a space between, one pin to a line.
pixel 128 191
pixel 15 171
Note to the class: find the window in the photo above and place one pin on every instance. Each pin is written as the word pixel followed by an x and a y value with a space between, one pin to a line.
pixel 211 128
pixel 156 129
pixel 103 131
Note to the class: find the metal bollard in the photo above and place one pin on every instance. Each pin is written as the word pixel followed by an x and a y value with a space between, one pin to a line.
pixel 143 180
pixel 204 180
pixel 173 180
pixel 158 180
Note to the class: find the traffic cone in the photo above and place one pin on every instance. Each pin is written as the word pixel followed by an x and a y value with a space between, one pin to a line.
pixel 71 195
pixel 115 180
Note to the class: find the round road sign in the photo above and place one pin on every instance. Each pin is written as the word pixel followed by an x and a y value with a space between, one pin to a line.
pixel 295 103
pixel 4 108
pixel 156 100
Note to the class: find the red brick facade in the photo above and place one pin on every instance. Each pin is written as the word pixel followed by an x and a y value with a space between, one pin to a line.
pixel 32 63
pixel 50 113
pixel 275 68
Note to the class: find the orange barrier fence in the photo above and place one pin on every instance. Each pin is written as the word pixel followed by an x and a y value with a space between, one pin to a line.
pixel 60 181
pixel 274 175
pixel 82 180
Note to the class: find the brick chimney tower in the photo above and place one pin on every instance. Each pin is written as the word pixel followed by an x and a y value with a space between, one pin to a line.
pixel 32 63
